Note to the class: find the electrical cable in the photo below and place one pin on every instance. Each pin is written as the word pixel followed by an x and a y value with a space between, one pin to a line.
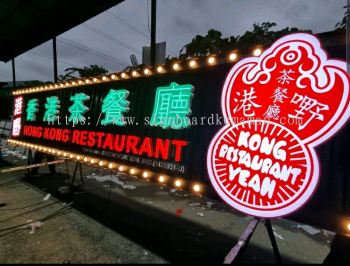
pixel 26 212
pixel 109 37
pixel 49 58
pixel 21 208
pixel 94 52
pixel 128 24
pixel 45 218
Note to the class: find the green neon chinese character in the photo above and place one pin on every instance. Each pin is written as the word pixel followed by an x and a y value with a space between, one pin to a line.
pixel 78 109
pixel 52 106
pixel 172 106
pixel 32 109
pixel 114 105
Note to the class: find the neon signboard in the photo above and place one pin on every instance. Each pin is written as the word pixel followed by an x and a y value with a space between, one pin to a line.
pixel 261 165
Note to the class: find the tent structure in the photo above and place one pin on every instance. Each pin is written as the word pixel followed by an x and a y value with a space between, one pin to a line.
pixel 25 24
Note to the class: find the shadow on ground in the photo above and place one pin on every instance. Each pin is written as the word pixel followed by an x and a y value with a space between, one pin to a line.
pixel 176 240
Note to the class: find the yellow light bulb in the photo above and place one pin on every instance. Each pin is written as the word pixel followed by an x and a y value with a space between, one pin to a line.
pixel 196 188
pixel 104 78
pixel 178 183
pixel 145 174
pixel 146 71
pixel 113 76
pixel 176 66
pixel 110 166
pixel 123 75
pixel 257 52
pixel 211 60
pixel 134 73
pixel 121 168
pixel 233 56
pixel 193 63
pixel 161 179
pixel 160 69
pixel 100 163
pixel 132 171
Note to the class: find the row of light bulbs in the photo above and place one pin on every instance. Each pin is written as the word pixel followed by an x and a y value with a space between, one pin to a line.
pixel 178 183
pixel 192 63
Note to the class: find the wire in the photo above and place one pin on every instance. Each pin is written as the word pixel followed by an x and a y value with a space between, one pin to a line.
pixel 45 218
pixel 109 37
pixel 21 208
pixel 94 52
pixel 147 11
pixel 26 212
pixel 128 24
pixel 48 57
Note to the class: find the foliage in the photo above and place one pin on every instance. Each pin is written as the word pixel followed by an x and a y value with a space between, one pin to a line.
pixel 341 25
pixel 262 35
pixel 86 71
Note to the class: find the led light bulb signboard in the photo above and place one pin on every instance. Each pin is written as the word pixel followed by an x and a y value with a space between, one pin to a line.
pixel 247 127
pixel 280 106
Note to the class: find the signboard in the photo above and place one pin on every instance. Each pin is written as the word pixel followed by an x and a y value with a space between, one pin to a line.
pixel 280 106
pixel 160 120
pixel 247 127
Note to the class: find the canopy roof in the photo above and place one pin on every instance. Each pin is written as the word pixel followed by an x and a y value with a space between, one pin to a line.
pixel 25 24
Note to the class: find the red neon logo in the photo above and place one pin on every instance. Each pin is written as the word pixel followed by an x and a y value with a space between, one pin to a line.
pixel 280 106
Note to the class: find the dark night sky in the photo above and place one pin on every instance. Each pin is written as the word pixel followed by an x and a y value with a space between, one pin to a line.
pixel 178 21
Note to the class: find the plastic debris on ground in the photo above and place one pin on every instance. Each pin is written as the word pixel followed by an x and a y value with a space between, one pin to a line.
pixel 200 214
pixel 111 178
pixel 274 229
pixel 33 226
pixel 196 204
pixel 47 197
pixel 278 235
pixel 63 189
pixel 210 204
pixel 309 229
pixel 178 212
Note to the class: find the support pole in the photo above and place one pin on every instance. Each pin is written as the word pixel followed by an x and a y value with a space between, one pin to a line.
pixel 153 31
pixel 236 252
pixel 273 240
pixel 13 73
pixel 54 51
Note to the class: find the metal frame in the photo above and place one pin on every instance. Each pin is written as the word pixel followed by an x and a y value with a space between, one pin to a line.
pixel 236 252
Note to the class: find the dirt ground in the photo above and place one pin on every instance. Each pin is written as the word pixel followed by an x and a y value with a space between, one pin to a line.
pixel 122 219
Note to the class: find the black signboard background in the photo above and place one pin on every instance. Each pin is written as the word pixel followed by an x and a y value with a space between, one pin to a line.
pixel 331 198
pixel 207 83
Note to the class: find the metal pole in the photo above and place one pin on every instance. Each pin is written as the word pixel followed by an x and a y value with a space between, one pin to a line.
pixel 54 50
pixel 153 31
pixel 273 241
pixel 13 73
pixel 236 252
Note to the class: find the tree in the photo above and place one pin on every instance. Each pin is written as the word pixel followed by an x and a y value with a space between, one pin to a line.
pixel 341 25
pixel 76 72
pixel 262 34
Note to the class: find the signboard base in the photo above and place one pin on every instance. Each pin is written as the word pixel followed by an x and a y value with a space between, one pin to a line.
pixel 236 252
